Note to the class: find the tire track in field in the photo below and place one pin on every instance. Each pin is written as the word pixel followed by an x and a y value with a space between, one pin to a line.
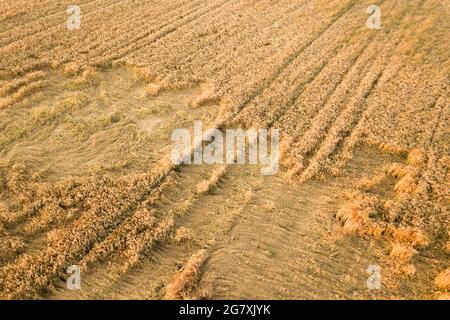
pixel 292 85
pixel 87 52
pixel 286 120
pixel 226 229
pixel 258 264
pixel 144 34
pixel 314 131
pixel 341 129
pixel 346 77
pixel 281 248
pixel 237 36
pixel 33 15
pixel 21 279
pixel 362 50
pixel 123 40
pixel 102 281
pixel 40 17
pixel 268 82
pixel 275 77
pixel 319 126
pixel 106 46
pixel 46 30
pixel 144 42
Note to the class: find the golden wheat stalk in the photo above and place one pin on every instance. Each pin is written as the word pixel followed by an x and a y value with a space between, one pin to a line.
pixel 187 278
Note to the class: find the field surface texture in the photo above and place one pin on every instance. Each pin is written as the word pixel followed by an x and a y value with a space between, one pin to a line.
pixel 360 206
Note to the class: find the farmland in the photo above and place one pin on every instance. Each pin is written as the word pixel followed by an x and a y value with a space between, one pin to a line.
pixel 86 177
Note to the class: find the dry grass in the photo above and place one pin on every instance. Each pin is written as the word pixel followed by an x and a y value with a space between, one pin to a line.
pixel 71 69
pixel 442 280
pixel 387 147
pixel 402 253
pixel 355 215
pixel 182 234
pixel 409 236
pixel 206 185
pixel 370 183
pixel 185 281
pixel 22 93
pixel 366 214
pixel 10 247
pixel 202 188
pixel 15 85
pixel 83 164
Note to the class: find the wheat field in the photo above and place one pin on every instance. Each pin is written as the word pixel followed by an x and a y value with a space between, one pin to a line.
pixel 86 178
